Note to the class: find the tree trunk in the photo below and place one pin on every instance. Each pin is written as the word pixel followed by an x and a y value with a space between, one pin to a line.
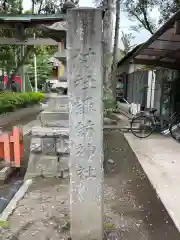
pixel 33 6
pixel 107 42
pixel 115 49
pixel 17 68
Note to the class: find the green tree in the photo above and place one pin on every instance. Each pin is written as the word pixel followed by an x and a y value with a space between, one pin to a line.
pixel 167 8
pixel 126 39
pixel 44 68
pixel 11 6
pixel 8 53
pixel 140 10
pixel 50 6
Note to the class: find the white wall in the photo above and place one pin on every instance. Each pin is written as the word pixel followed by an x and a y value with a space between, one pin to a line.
pixel 151 89
pixel 134 67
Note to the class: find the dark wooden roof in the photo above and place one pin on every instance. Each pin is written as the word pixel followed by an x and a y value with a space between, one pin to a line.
pixel 163 48
pixel 30 20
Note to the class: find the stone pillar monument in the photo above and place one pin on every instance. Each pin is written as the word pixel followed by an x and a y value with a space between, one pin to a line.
pixel 84 64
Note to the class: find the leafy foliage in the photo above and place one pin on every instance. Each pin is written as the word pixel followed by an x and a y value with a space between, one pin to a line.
pixel 140 10
pixel 167 8
pixel 11 101
pixel 48 7
pixel 11 6
pixel 9 53
pixel 44 68
pixel 126 41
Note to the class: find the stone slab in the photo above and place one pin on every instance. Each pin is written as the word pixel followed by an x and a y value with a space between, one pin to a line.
pixel 41 132
pixel 48 166
pixel 53 119
pixel 58 123
pixel 41 165
pixel 50 145
pixel 56 106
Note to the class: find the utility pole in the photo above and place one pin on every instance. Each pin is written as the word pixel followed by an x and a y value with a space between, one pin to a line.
pixel 115 49
pixel 109 6
pixel 22 74
pixel 35 69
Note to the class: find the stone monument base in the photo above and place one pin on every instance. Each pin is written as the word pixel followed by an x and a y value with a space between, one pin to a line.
pixel 47 166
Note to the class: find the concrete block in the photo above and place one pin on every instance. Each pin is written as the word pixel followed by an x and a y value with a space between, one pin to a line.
pixel 36 145
pixel 55 145
pixel 62 146
pixel 64 163
pixel 47 166
pixel 58 103
pixel 41 132
pixel 41 165
pixel 53 119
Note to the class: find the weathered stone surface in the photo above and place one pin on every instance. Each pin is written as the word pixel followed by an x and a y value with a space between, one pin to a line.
pixel 58 123
pixel 41 165
pixel 86 123
pixel 55 145
pixel 47 166
pixel 49 132
pixel 36 145
pixel 62 146
pixel 61 56
pixel 53 119
pixel 108 121
pixel 49 140
pixel 58 103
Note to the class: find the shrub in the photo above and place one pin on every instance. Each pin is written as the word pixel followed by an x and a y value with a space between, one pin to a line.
pixel 10 101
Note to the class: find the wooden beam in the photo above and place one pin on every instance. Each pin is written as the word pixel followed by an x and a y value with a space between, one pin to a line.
pixel 175 66
pixel 29 41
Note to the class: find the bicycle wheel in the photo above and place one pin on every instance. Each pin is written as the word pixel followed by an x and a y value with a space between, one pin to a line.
pixel 142 126
pixel 174 129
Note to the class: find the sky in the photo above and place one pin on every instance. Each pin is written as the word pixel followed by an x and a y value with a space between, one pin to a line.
pixel 125 23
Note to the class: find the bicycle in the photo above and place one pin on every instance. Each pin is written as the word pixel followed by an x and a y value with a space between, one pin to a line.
pixel 146 122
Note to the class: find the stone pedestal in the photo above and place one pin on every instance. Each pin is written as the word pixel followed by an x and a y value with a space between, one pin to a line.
pixel 50 142
pixel 85 123
pixel 58 103
pixel 49 152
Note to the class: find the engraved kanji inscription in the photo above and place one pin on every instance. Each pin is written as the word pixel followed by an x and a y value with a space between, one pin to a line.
pixel 80 149
pixel 86 172
pixel 78 80
pixel 84 106
pixel 83 64
pixel 85 129
pixel 89 149
pixel 90 82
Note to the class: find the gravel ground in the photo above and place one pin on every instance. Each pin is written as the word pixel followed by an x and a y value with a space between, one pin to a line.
pixel 132 209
